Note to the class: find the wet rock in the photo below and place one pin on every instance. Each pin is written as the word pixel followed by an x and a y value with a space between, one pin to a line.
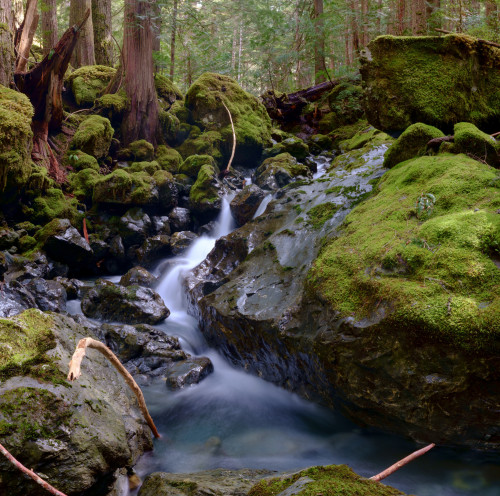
pixel 49 295
pixel 75 435
pixel 21 268
pixel 207 228
pixel 153 249
pixel 3 264
pixel 73 287
pixel 246 202
pixel 180 219
pixel 161 225
pixel 14 299
pixel 188 372
pixel 139 276
pixel 181 241
pixel 130 305
pixel 219 482
pixel 135 226
pixel 8 238
pixel 205 194
pixel 276 172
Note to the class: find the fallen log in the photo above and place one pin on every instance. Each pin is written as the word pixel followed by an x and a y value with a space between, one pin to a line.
pixel 435 143
pixel 286 106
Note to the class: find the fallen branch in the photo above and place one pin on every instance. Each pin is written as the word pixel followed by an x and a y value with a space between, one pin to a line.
pixel 487 42
pixel 436 142
pixel 30 473
pixel 494 135
pixel 402 463
pixel 226 172
pixel 75 373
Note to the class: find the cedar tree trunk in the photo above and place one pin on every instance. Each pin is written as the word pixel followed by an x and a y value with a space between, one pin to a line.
pixel 101 21
pixel 141 119
pixel 83 53
pixel 319 43
pixel 49 25
pixel 6 43
pixel 24 37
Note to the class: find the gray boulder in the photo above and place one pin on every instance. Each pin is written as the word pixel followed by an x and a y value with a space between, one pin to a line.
pixel 246 202
pixel 188 372
pixel 139 276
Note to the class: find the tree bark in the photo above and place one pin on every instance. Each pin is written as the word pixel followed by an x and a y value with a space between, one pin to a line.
pixel 365 7
pixel 141 119
pixel 419 17
pixel 156 25
pixel 83 53
pixel 102 25
pixel 433 15
pixel 25 40
pixel 319 43
pixel 172 41
pixel 6 42
pixel 400 14
pixel 49 25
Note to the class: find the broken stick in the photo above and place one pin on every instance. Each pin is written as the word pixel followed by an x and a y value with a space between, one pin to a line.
pixel 75 373
pixel 234 139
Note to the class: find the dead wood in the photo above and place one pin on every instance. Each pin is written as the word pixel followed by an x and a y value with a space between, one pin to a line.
pixel 75 373
pixel 234 140
pixel 25 35
pixel 486 42
pixel 435 143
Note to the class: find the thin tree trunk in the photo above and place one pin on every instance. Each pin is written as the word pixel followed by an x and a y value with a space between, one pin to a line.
pixel 400 10
pixel 49 25
pixel 419 17
pixel 102 25
pixel 319 43
pixel 141 119
pixel 433 14
pixel 25 41
pixel 18 13
pixel 6 42
pixel 364 31
pixel 240 52
pixel 172 41
pixel 156 25
pixel 83 53
pixel 354 30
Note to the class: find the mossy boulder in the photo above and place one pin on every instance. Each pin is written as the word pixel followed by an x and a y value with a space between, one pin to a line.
pixel 167 91
pixel 88 82
pixel 207 143
pixel 112 106
pixel 437 80
pixel 469 139
pixel 294 146
pixel 16 141
pixel 411 143
pixel 149 167
pixel 192 165
pixel 252 124
pixel 168 158
pixel 139 150
pixel 81 184
pixel 79 160
pixel 319 143
pixel 204 198
pixel 93 136
pixel 367 136
pixel 53 204
pixel 330 480
pixel 276 172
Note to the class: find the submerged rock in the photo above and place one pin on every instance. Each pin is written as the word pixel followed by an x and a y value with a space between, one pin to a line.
pixel 437 80
pixel 188 372
pixel 131 305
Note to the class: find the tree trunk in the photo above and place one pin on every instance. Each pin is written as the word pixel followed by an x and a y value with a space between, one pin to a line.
pixel 83 53
pixel 141 119
pixel 43 85
pixel 419 17
pixel 25 40
pixel 354 29
pixel 49 25
pixel 433 14
pixel 319 43
pixel 172 41
pixel 6 43
pixel 492 15
pixel 365 22
pixel 156 26
pixel 400 12
pixel 102 23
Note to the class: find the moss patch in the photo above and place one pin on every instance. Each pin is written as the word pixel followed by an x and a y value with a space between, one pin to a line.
pixel 93 136
pixel 192 165
pixel 436 275
pixel 319 214
pixel 87 83
pixel 168 158
pixel 207 143
pixel 469 139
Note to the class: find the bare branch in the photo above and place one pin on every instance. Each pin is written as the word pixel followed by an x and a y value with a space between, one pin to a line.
pixel 234 139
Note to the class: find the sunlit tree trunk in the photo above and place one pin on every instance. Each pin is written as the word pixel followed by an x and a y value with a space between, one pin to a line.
pixel 25 40
pixel 141 119
pixel 319 43
pixel 102 24
pixel 49 25
pixel 6 42
pixel 172 41
pixel 83 53
pixel 400 12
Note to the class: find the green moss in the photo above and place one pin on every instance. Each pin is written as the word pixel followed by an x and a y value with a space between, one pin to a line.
pixel 469 139
pixel 434 80
pixel 412 143
pixel 87 83
pixel 15 142
pixel 252 124
pixel 113 105
pixel 168 158
pixel 53 204
pixel 362 138
pixel 38 181
pixel 346 132
pixel 437 275
pixel 319 214
pixel 207 143
pixel 179 110
pixel 112 187
pixel 283 161
pixel 331 480
pixel 82 184
pixel 93 136
pixel 79 160
pixel 141 150
pixel 192 165
pixel 26 243
pixel 149 167
pixel 203 190
pixel 166 89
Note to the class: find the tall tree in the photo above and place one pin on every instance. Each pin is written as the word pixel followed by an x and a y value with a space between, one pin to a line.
pixel 418 17
pixel 102 25
pixel 24 37
pixel 319 43
pixel 49 24
pixel 6 43
pixel 172 41
pixel 83 54
pixel 141 119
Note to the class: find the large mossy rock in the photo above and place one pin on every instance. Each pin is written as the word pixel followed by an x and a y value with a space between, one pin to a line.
pixel 204 196
pixel 252 124
pixel 434 80
pixel 16 141
pixel 469 139
pixel 75 434
pixel 88 82
pixel 345 103
pixel 93 136
pixel 276 172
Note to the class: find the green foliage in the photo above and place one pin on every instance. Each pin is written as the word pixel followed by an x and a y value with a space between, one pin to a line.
pixel 425 205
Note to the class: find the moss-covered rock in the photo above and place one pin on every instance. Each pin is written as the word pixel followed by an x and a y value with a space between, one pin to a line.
pixel 331 480
pixel 469 139
pixel 140 150
pixel 204 197
pixel 319 143
pixel 79 160
pixel 81 184
pixel 252 124
pixel 51 205
pixel 167 91
pixel 276 172
pixel 192 165
pixel 149 167
pixel 16 140
pixel 411 143
pixel 112 106
pixel 366 136
pixel 168 158
pixel 87 82
pixel 434 80
pixel 38 181
pixel 290 144
pixel 207 143
pixel 93 136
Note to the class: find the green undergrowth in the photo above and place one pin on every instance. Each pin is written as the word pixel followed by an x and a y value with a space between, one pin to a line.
pixel 331 480
pixel 436 273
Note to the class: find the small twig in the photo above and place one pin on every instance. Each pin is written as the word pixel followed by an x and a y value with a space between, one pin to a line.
pixel 494 135
pixel 401 463
pixel 77 112
pixel 234 138
pixel 75 372
pixel 30 473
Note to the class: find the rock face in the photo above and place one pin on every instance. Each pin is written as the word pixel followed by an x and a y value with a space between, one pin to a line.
pixel 360 330
pixel 434 80
pixel 130 305
pixel 76 434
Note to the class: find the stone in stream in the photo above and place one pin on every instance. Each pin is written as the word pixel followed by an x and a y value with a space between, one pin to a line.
pixel 139 276
pixel 49 295
pixel 246 202
pixel 181 241
pixel 188 372
pixel 153 249
pixel 14 299
pixel 131 305
pixel 180 219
